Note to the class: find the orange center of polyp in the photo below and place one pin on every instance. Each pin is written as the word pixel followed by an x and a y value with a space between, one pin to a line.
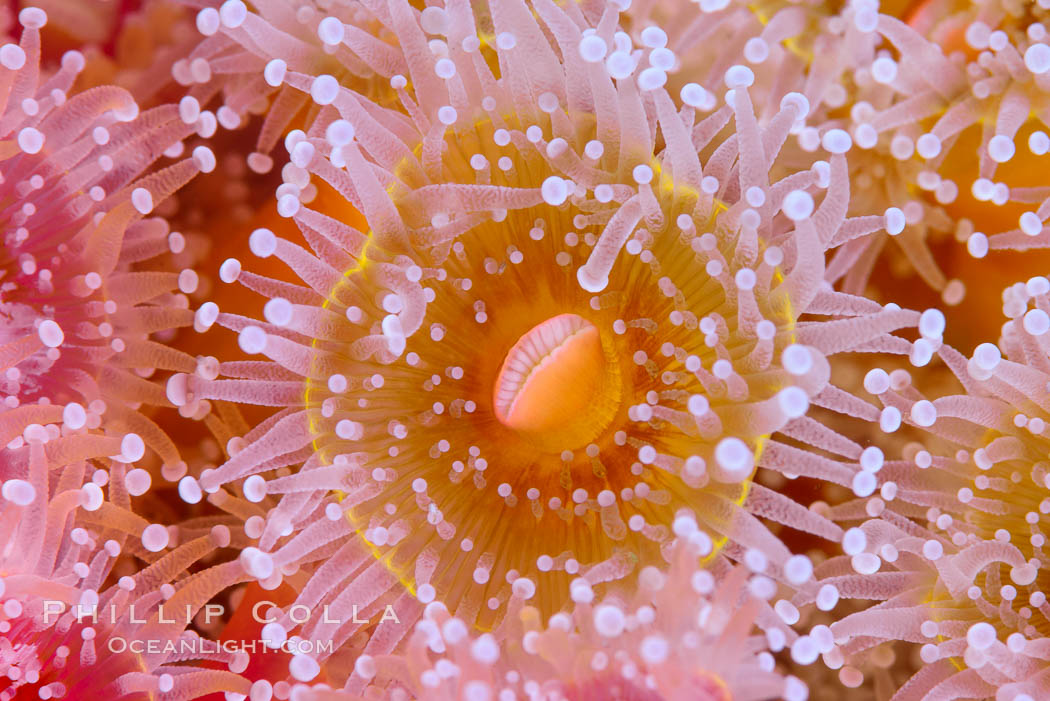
pixel 559 386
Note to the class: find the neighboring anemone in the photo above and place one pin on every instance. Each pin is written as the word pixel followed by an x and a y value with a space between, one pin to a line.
pixel 923 128
pixel 67 618
pixel 957 557
pixel 77 304
pixel 844 89
pixel 1006 102
pixel 346 40
pixel 774 33
pixel 680 635
pixel 140 50
pixel 826 53
pixel 633 320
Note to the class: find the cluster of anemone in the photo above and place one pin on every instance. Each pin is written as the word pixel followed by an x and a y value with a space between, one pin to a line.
pixel 570 357
pixel 580 305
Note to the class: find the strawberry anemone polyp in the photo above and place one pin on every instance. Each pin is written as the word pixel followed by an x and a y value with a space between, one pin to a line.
pixel 549 425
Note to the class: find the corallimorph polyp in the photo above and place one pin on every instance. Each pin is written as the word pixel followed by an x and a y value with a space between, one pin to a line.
pixel 682 634
pixel 961 548
pixel 77 310
pixel 561 329
pixel 239 41
pixel 68 622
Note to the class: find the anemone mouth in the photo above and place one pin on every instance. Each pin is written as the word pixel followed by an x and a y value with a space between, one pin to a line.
pixel 533 429
pixel 559 385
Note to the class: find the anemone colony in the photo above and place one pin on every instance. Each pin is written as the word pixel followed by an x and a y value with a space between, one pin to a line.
pixel 524 349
